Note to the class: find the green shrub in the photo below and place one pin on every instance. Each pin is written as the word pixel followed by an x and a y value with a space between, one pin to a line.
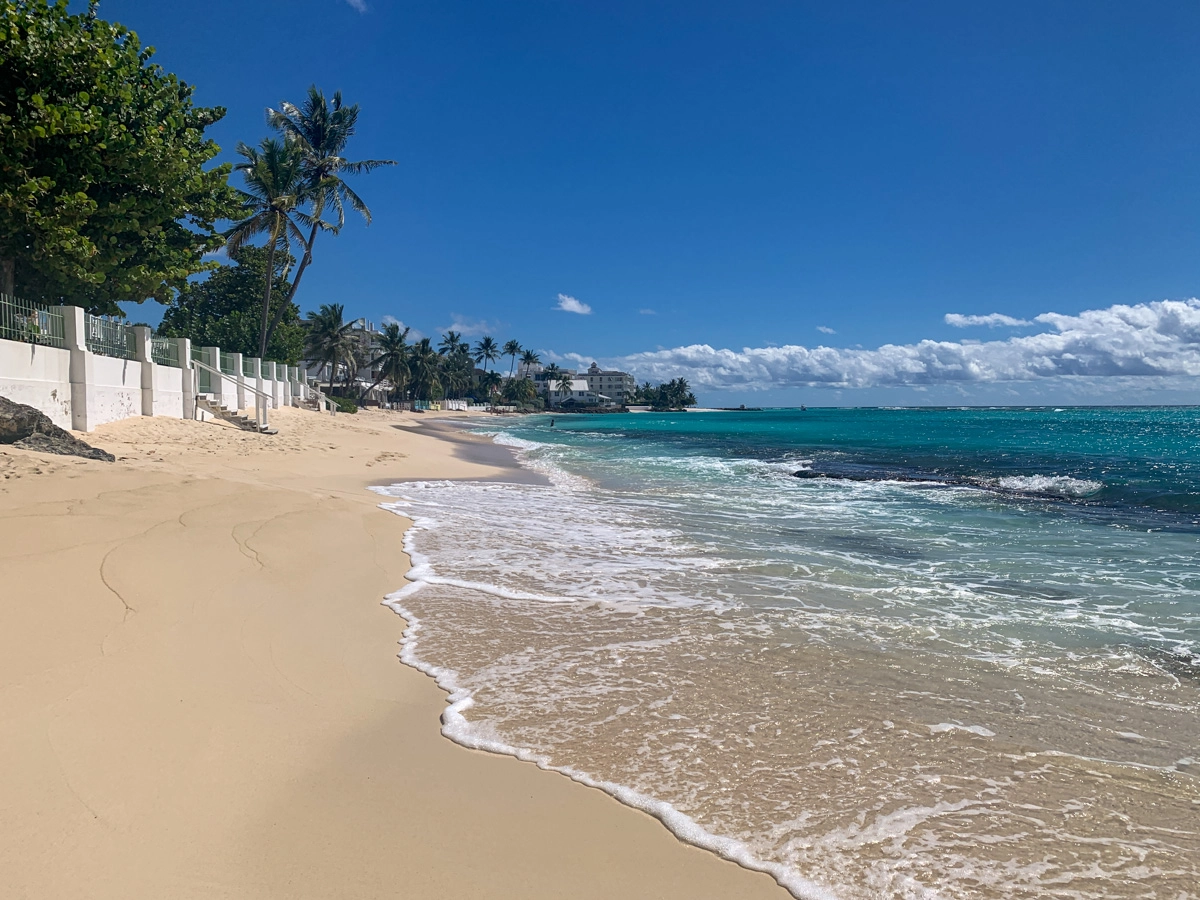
pixel 345 404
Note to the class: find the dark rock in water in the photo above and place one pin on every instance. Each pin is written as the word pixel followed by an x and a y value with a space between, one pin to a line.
pixel 29 428
pixel 807 473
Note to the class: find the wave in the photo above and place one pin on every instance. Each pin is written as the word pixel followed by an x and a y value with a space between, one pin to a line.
pixel 1045 485
pixel 460 730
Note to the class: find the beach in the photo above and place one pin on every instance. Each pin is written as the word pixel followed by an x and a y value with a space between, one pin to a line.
pixel 200 694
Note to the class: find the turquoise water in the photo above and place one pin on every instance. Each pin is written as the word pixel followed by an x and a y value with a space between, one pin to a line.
pixel 959 656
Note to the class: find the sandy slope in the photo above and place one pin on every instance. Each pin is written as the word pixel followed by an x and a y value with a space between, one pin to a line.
pixel 200 696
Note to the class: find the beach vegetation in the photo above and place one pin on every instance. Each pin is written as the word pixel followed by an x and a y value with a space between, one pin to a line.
pixel 512 349
pixel 344 404
pixel 223 310
pixel 486 351
pixel 318 131
pixel 105 193
pixel 331 340
pixel 391 360
pixel 530 358
pixel 271 204
pixel 425 371
pixel 671 395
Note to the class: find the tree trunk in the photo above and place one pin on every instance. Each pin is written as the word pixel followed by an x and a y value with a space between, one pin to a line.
pixel 8 276
pixel 262 344
pixel 304 261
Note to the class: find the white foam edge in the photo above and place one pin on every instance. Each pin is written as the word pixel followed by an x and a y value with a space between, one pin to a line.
pixel 456 728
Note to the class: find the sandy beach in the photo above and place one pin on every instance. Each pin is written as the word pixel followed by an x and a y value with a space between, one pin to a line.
pixel 200 694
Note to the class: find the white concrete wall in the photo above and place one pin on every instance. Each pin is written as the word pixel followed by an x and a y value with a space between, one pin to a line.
pixel 168 392
pixel 114 389
pixel 39 377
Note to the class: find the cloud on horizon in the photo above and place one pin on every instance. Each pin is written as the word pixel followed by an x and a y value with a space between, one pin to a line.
pixel 991 320
pixel 824 329
pixel 1159 339
pixel 569 304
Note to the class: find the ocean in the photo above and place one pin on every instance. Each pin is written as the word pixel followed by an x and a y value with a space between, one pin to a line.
pixel 875 652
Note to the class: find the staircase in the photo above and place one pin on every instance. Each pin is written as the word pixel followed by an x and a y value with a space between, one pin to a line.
pixel 217 411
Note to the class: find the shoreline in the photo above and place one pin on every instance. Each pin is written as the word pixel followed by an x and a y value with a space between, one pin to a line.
pixel 200 695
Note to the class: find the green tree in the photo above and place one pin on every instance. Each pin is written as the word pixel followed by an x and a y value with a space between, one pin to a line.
pixel 330 339
pixel 450 343
pixel 423 366
pixel 223 310
pixel 529 358
pixel 103 191
pixel 563 382
pixel 274 192
pixel 392 359
pixel 486 351
pixel 320 134
pixel 511 349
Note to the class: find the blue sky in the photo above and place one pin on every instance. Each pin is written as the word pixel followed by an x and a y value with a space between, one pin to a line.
pixel 741 176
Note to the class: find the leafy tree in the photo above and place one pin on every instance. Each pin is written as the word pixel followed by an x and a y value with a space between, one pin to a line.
pixel 490 383
pixel 392 361
pixel 450 343
pixel 423 366
pixel 529 358
pixel 519 391
pixel 320 135
pixel 511 349
pixel 271 203
pixel 486 351
pixel 103 191
pixel 331 339
pixel 223 310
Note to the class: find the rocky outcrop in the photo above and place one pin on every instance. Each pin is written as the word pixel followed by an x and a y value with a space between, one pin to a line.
pixel 24 426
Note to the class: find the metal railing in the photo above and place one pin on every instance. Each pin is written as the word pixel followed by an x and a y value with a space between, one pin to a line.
pixel 22 321
pixel 262 400
pixel 108 338
pixel 164 351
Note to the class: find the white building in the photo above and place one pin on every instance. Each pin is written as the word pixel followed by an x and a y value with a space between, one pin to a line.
pixel 618 386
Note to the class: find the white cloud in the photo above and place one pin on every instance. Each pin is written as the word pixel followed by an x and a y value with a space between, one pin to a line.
pixel 824 329
pixel 1146 340
pixel 470 327
pixel 991 320
pixel 571 305
pixel 361 6
pixel 641 312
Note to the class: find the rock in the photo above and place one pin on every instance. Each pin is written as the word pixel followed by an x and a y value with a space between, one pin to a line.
pixel 29 428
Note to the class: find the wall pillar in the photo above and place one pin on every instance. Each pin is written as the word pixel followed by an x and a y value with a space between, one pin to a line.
pixel 212 358
pixel 75 340
pixel 293 376
pixel 141 352
pixel 183 347
pixel 239 379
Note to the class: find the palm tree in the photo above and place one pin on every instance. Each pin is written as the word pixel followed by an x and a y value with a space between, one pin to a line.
pixel 490 382
pixel 423 367
pixel 511 348
pixel 450 343
pixel 486 351
pixel 274 191
pixel 330 338
pixel 564 383
pixel 392 359
pixel 529 358
pixel 320 135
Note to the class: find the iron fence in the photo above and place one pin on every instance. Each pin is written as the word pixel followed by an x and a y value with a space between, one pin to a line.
pixel 22 321
pixel 108 338
pixel 164 351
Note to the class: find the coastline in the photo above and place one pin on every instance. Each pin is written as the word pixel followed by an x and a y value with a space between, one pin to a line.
pixel 200 694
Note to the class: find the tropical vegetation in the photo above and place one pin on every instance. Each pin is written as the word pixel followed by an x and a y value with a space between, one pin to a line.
pixel 674 394
pixel 105 189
